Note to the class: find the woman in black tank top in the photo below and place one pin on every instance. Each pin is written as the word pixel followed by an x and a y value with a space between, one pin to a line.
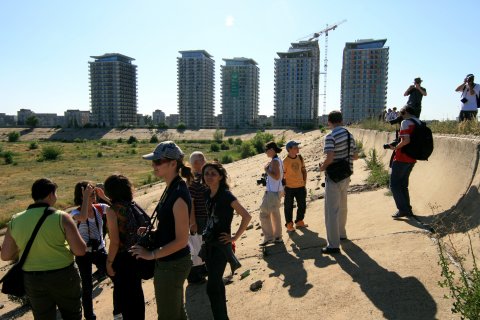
pixel 172 255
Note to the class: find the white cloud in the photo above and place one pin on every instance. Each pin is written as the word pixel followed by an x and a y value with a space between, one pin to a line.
pixel 229 20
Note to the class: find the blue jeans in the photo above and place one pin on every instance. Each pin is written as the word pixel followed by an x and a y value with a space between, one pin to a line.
pixel 399 185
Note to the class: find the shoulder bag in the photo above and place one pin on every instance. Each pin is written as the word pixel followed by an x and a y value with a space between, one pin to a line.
pixel 13 279
pixel 340 170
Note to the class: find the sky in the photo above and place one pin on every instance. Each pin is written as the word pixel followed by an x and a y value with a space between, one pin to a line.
pixel 45 46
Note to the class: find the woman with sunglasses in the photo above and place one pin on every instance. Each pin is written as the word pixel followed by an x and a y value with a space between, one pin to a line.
pixel 172 255
pixel 218 238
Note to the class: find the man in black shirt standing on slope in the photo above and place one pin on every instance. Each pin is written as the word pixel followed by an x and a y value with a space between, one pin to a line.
pixel 415 93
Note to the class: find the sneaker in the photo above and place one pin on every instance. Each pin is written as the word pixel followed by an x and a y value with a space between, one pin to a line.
pixel 300 224
pixel 399 214
pixel 264 243
pixel 290 227
pixel 328 250
pixel 278 240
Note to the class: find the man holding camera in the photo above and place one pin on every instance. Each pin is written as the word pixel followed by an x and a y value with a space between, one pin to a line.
pixel 337 149
pixel 415 94
pixel 470 95
pixel 402 164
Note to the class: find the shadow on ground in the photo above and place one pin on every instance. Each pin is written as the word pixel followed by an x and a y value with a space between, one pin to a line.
pixel 396 297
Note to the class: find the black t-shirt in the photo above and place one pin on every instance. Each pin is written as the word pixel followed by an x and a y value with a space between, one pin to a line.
pixel 415 97
pixel 165 232
pixel 220 212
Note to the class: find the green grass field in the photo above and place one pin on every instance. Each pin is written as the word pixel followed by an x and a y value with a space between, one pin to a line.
pixel 89 160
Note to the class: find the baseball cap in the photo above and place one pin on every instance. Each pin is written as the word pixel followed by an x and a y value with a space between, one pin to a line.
pixel 165 150
pixel 291 144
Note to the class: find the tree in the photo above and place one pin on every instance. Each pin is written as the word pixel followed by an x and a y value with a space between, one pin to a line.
pixel 32 121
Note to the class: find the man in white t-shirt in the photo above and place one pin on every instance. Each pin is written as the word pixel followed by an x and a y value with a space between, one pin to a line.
pixel 470 93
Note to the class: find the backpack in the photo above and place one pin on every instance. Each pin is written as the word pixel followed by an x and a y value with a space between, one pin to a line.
pixel 421 142
pixel 137 218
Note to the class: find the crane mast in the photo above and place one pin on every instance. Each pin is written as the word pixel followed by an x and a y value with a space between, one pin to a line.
pixel 315 36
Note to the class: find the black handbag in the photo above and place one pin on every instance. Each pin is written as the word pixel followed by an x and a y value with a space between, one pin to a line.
pixel 340 170
pixel 13 279
pixel 146 268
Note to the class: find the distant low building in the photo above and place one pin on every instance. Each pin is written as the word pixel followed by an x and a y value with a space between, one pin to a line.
pixel 48 120
pixel 23 115
pixel 264 120
pixel 76 118
pixel 172 120
pixel 158 117
pixel 7 120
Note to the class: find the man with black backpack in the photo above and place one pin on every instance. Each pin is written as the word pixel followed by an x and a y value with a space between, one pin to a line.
pixel 403 163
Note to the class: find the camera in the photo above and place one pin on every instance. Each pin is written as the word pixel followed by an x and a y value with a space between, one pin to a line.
pixel 396 120
pixel 393 144
pixel 464 100
pixel 263 180
pixel 93 244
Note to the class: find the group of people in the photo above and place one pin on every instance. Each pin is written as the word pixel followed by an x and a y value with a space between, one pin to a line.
pixel 194 201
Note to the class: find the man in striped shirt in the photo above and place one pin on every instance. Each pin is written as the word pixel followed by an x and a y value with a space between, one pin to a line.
pixel 336 148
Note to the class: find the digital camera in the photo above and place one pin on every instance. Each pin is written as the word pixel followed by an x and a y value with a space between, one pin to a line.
pixel 94 244
pixel 263 180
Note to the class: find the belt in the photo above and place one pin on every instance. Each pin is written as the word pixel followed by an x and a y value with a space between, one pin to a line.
pixel 36 273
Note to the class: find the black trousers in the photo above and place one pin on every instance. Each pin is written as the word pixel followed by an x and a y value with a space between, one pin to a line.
pixel 467 115
pixel 127 287
pixel 85 263
pixel 216 261
pixel 300 195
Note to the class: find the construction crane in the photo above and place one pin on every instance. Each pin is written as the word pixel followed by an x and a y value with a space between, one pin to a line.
pixel 315 36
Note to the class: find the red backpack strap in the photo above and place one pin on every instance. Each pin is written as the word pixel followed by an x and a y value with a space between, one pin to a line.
pixel 99 208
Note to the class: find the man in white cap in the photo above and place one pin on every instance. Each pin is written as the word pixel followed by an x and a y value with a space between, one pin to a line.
pixel 295 180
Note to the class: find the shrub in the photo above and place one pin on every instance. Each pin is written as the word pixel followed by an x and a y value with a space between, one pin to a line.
pixel 214 147
pixel 79 140
pixel 99 154
pixel 51 152
pixel 132 139
pixel 134 151
pixel 104 143
pixel 33 145
pixel 231 141
pixel 154 139
pixel 464 288
pixel 119 140
pixel 8 156
pixel 238 142
pixel 247 150
pixel 260 139
pixel 181 127
pixel 224 146
pixel 226 159
pixel 13 136
pixel 378 175
pixel 218 135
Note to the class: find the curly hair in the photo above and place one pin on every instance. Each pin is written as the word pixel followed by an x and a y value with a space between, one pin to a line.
pixel 221 171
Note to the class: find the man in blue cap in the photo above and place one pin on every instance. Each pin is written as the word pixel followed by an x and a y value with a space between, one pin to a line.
pixel 295 180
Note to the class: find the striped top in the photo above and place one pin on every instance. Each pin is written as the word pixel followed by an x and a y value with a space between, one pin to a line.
pixel 336 141
pixel 197 192
pixel 88 229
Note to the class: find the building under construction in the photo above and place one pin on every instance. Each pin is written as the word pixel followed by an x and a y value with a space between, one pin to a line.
pixel 296 85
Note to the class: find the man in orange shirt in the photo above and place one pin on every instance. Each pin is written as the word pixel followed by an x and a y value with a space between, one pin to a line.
pixel 295 180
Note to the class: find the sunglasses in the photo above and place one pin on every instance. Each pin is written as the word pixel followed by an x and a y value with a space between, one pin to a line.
pixel 159 162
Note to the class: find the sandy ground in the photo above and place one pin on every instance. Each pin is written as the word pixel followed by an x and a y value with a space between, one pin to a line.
pixel 387 269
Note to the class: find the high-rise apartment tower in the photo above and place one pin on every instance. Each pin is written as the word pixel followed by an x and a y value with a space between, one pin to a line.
pixel 196 82
pixel 296 85
pixel 240 83
pixel 364 79
pixel 113 90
